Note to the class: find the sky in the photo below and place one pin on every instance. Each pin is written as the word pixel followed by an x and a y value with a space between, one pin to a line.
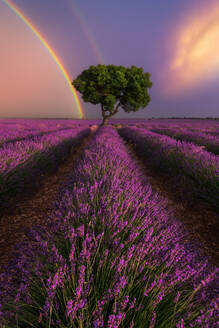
pixel 46 44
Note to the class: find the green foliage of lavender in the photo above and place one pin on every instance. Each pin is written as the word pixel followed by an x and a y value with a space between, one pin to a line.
pixel 195 168
pixel 114 256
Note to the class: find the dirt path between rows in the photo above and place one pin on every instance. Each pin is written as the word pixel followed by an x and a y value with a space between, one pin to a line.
pixel 33 209
pixel 201 222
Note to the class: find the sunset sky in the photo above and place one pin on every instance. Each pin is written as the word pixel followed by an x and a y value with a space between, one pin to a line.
pixel 176 41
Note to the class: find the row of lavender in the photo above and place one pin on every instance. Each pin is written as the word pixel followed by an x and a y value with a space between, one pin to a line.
pixel 21 161
pixel 211 143
pixel 14 130
pixel 6 137
pixel 15 154
pixel 196 169
pixel 211 129
pixel 114 256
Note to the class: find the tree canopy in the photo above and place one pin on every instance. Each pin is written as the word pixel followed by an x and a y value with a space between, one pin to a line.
pixel 113 87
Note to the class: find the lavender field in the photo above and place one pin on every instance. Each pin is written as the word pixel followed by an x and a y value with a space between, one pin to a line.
pixel 111 253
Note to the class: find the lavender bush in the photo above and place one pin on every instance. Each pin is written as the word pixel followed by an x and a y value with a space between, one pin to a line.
pixel 14 154
pixel 211 143
pixel 6 138
pixel 195 168
pixel 25 160
pixel 15 130
pixel 114 256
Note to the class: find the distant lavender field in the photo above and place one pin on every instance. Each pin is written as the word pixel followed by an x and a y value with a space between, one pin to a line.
pixel 114 257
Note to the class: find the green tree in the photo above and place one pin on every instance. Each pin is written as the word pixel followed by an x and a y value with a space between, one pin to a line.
pixel 113 86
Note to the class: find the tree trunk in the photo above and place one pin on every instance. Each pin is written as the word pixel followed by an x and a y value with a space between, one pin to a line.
pixel 105 121
pixel 106 117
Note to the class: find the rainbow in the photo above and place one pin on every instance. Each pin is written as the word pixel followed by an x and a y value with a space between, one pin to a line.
pixel 52 53
pixel 87 31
